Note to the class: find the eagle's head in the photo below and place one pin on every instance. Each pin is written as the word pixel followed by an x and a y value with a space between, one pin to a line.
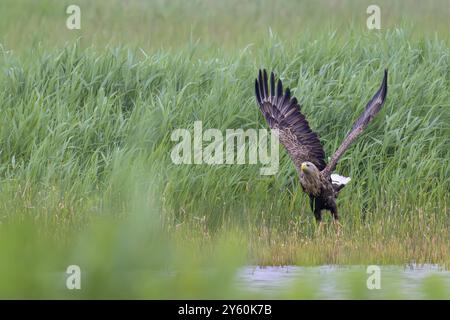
pixel 308 168
pixel 310 178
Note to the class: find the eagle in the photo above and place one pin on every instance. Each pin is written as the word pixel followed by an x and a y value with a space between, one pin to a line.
pixel 283 113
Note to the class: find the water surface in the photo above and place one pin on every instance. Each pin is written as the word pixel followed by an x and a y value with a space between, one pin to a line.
pixel 340 282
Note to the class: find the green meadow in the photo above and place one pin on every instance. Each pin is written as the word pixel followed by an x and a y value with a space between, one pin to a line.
pixel 86 175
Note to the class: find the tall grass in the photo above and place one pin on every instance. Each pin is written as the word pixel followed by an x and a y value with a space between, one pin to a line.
pixel 227 26
pixel 73 118
pixel 86 174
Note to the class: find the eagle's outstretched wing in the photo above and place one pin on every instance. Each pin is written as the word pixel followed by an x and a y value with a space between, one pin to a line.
pixel 370 111
pixel 282 112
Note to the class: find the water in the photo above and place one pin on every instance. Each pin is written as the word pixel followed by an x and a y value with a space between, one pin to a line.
pixel 340 282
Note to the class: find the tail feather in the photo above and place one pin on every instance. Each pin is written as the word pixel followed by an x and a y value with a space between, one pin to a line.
pixel 339 181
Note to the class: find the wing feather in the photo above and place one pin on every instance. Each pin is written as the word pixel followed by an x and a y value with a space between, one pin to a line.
pixel 372 108
pixel 283 113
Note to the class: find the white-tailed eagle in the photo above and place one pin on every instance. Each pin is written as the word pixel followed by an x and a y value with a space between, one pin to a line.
pixel 317 179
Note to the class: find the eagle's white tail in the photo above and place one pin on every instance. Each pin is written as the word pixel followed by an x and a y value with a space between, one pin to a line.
pixel 339 180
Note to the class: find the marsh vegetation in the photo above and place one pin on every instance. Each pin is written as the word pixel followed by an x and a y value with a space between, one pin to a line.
pixel 85 167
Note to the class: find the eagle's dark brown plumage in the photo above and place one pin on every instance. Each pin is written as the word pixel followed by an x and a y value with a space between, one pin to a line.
pixel 283 112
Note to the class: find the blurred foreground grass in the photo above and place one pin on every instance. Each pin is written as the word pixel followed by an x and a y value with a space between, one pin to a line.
pixel 134 256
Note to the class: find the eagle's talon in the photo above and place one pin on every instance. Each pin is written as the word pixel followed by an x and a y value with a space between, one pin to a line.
pixel 319 228
pixel 338 227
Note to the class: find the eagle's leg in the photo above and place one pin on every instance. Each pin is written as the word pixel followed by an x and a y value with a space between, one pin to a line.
pixel 317 209
pixel 318 215
pixel 334 212
pixel 335 215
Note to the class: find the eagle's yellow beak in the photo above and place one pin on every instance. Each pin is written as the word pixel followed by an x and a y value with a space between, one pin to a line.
pixel 303 167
